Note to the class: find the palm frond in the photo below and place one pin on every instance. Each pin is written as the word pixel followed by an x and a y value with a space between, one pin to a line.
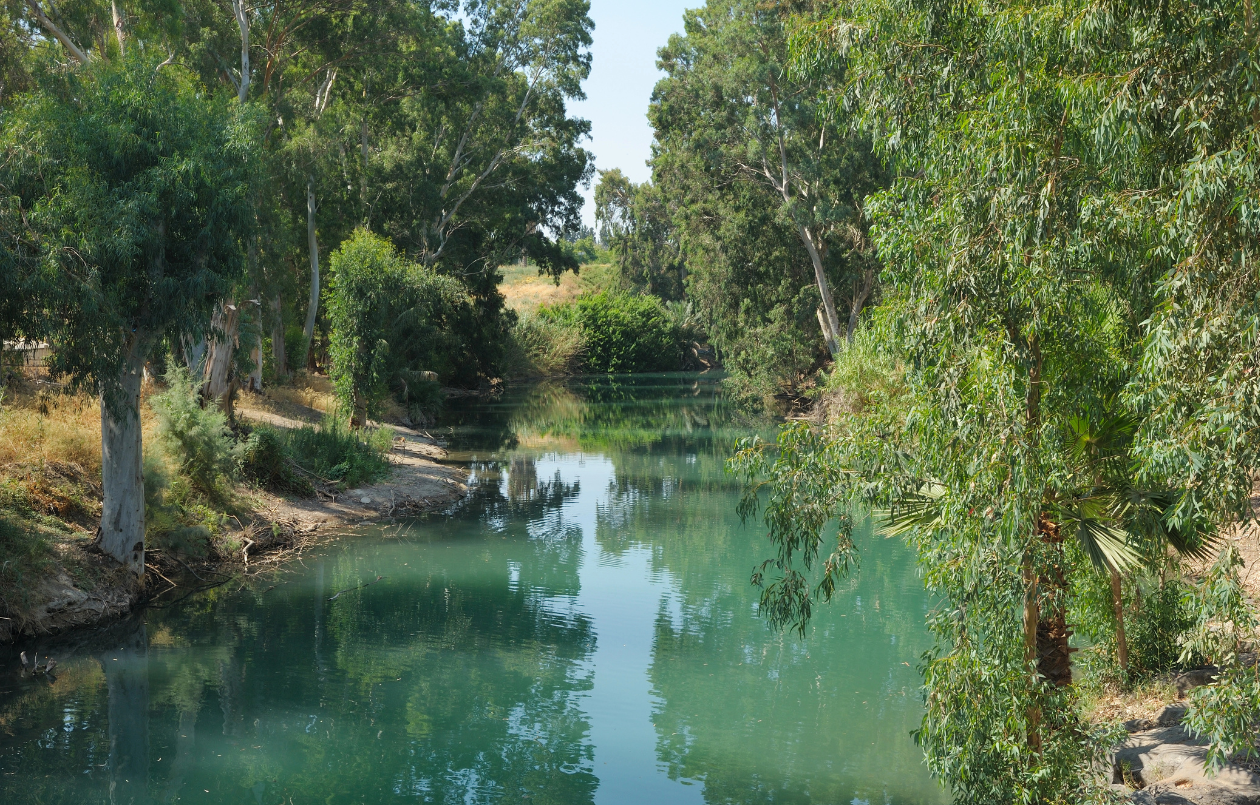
pixel 917 511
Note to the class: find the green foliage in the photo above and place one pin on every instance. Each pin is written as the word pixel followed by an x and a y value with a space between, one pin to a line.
pixel 127 195
pixel 752 169
pixel 621 333
pixel 635 224
pixel 1157 628
pixel 336 452
pixel 544 346
pixel 1227 713
pixel 389 320
pixel 197 437
pixel 265 460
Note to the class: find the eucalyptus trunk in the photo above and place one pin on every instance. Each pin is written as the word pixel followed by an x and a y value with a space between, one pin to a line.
pixel 308 332
pixel 831 321
pixel 121 534
pixel 218 382
pixel 278 355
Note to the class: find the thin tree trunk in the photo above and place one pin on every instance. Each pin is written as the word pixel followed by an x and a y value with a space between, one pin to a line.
pixel 118 28
pixel 195 355
pixel 1117 603
pixel 277 338
pixel 242 21
pixel 308 332
pixel 824 290
pixel 121 534
pixel 860 295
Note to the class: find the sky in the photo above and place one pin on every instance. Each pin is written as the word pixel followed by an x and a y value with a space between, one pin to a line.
pixel 623 72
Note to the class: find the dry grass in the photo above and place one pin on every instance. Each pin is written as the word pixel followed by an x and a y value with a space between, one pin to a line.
pixel 39 429
pixel 1114 703
pixel 309 391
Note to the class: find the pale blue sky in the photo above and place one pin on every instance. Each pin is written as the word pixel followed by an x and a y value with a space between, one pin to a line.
pixel 623 72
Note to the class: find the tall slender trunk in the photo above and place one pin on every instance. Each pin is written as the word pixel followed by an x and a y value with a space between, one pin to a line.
pixel 242 22
pixel 277 338
pixel 308 332
pixel 832 327
pixel 256 344
pixel 119 31
pixel 1117 603
pixel 121 534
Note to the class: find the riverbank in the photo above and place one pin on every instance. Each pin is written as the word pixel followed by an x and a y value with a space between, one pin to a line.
pixel 50 497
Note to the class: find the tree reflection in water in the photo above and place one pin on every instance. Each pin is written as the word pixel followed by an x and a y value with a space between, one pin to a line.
pixel 468 674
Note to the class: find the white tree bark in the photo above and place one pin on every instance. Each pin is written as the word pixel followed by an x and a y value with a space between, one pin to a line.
pixel 313 306
pixel 118 28
pixel 824 290
pixel 74 50
pixel 242 21
pixel 121 534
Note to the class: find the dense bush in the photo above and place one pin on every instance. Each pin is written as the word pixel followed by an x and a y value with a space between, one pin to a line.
pixel 544 347
pixel 391 320
pixel 621 333
pixel 337 453
pixel 265 460
pixel 197 438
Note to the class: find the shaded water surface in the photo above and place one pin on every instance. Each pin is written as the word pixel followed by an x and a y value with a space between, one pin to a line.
pixel 580 630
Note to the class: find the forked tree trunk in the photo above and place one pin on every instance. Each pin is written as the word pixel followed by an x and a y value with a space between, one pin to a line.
pixel 1117 603
pixel 861 292
pixel 831 322
pixel 308 332
pixel 121 534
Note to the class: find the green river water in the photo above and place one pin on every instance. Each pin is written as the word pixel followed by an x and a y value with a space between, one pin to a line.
pixel 581 629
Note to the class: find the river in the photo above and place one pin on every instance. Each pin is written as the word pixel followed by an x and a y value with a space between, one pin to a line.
pixel 580 629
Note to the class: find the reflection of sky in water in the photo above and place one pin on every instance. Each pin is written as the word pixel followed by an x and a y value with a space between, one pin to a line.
pixel 622 594
pixel 581 631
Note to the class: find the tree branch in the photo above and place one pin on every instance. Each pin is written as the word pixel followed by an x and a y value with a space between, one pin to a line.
pixel 56 32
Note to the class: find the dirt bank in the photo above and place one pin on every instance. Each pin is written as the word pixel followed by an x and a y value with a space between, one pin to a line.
pixel 75 587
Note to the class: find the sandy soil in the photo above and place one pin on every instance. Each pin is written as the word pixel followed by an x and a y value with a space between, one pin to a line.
pixel 418 482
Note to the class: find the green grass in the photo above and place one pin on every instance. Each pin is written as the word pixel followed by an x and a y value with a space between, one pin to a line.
pixel 335 452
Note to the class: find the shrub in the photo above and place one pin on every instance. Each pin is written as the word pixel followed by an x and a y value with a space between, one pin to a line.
pixel 198 438
pixel 544 347
pixel 336 452
pixel 265 460
pixel 388 317
pixel 1155 634
pixel 621 333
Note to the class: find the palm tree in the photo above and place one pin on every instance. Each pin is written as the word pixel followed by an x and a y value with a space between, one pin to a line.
pixel 1118 524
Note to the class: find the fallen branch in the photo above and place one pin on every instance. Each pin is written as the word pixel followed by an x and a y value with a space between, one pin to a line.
pixel 360 587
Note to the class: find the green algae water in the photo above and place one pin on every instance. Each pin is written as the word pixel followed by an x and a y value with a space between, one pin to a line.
pixel 581 629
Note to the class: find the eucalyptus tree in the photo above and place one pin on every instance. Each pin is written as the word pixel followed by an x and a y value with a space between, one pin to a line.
pixel 128 200
pixel 1066 200
pixel 729 104
pixel 635 222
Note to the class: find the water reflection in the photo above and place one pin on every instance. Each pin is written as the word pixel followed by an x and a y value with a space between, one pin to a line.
pixel 581 630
